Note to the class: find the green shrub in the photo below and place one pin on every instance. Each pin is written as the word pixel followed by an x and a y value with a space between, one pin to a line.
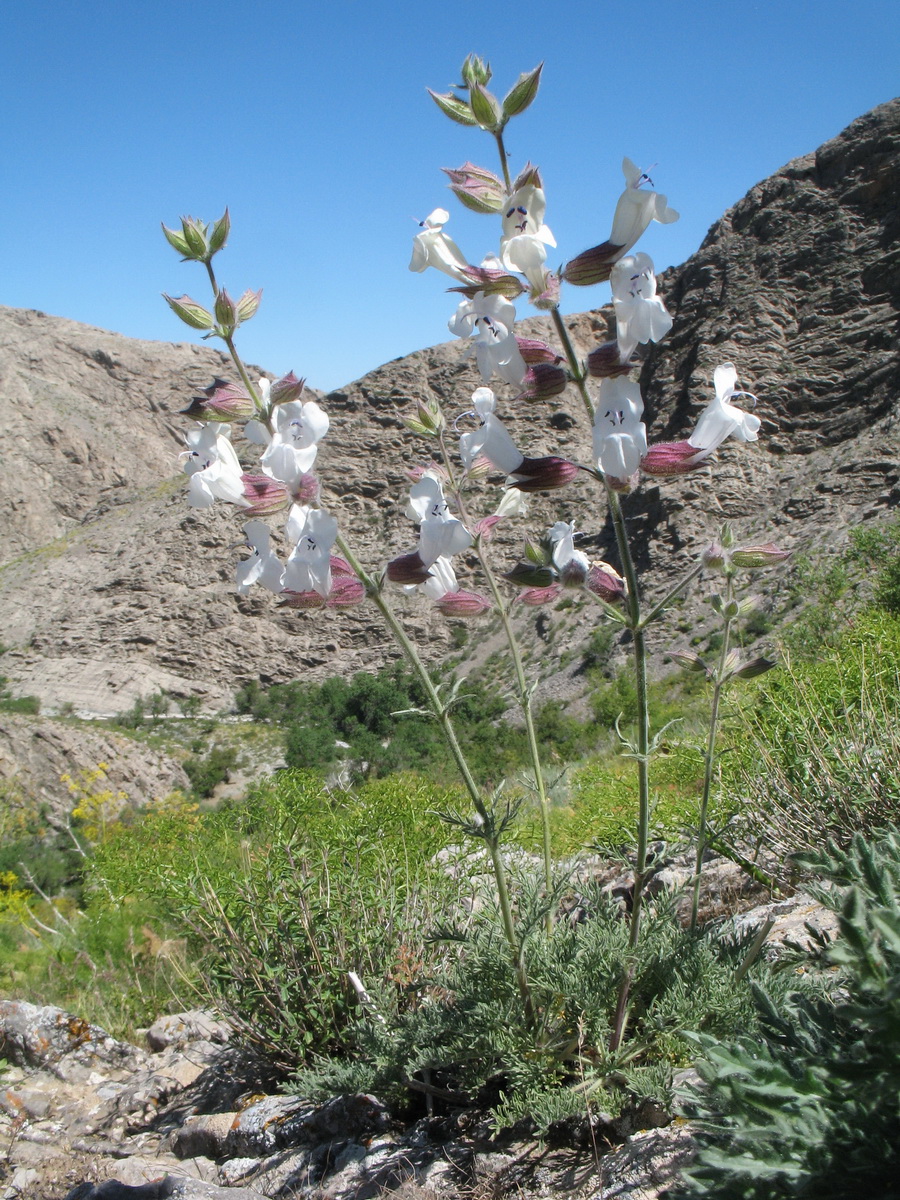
pixel 818 754
pixel 207 771
pixel 809 1106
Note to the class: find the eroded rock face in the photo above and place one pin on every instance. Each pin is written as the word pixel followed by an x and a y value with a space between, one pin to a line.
pixel 797 284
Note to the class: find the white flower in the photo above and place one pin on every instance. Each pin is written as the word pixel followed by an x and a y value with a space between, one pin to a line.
pixel 525 236
pixel 566 558
pixel 309 567
pixel 489 321
pixel 720 420
pixel 636 209
pixel 442 580
pixel 433 248
pixel 212 464
pixel 299 427
pixel 440 534
pixel 620 438
pixel 640 314
pixel 263 566
pixel 491 439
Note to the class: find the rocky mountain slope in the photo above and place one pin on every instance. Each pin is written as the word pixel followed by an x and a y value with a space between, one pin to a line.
pixel 112 588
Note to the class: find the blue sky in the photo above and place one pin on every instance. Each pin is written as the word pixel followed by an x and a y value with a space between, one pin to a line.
pixel 311 121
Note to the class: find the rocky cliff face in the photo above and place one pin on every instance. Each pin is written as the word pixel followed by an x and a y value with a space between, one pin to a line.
pixel 112 588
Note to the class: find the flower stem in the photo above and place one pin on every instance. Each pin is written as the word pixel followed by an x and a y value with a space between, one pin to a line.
pixel 504 161
pixel 642 749
pixel 670 595
pixel 443 717
pixel 236 358
pixel 710 758
pixel 524 692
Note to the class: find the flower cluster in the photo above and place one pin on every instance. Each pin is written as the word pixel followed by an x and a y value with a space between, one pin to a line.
pixel 288 429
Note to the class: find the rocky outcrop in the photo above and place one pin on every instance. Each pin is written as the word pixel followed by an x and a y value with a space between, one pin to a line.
pixel 797 284
pixel 86 1117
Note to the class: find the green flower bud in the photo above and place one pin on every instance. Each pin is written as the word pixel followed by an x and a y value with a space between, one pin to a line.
pixel 227 319
pixel 219 235
pixel 248 305
pixel 177 242
pixel 522 92
pixel 757 666
pixel 454 108
pixel 486 108
pixel 190 311
pixel 475 70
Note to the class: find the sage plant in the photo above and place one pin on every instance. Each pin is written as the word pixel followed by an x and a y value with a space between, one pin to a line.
pixel 317 566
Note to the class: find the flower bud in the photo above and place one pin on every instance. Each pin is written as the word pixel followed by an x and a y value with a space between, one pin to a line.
pixel 286 389
pixel 307 489
pixel 194 234
pixel 485 108
pixel 591 266
pixel 767 555
pixel 340 566
pixel 606 362
pixel 731 610
pixel 531 575
pixel 574 572
pixel 543 381
pixel 533 350
pixel 190 311
pixel 543 474
pixel 757 666
pixel 713 557
pixel 429 420
pixel 265 495
pixel 346 591
pixel 219 235
pixel 222 401
pixel 672 458
pixel 548 298
pixel 604 581
pixel 408 569
pixel 478 189
pixel 226 310
pixel 454 108
pixel 689 660
pixel 522 92
pixel 529 176
pixel 462 604
pixel 475 70
pixel 248 305
pixel 491 282
pixel 536 596
pixel 302 600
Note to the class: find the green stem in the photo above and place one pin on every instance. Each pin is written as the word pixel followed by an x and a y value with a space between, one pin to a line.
pixel 710 758
pixel 237 360
pixel 524 692
pixel 636 624
pixel 504 161
pixel 443 717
